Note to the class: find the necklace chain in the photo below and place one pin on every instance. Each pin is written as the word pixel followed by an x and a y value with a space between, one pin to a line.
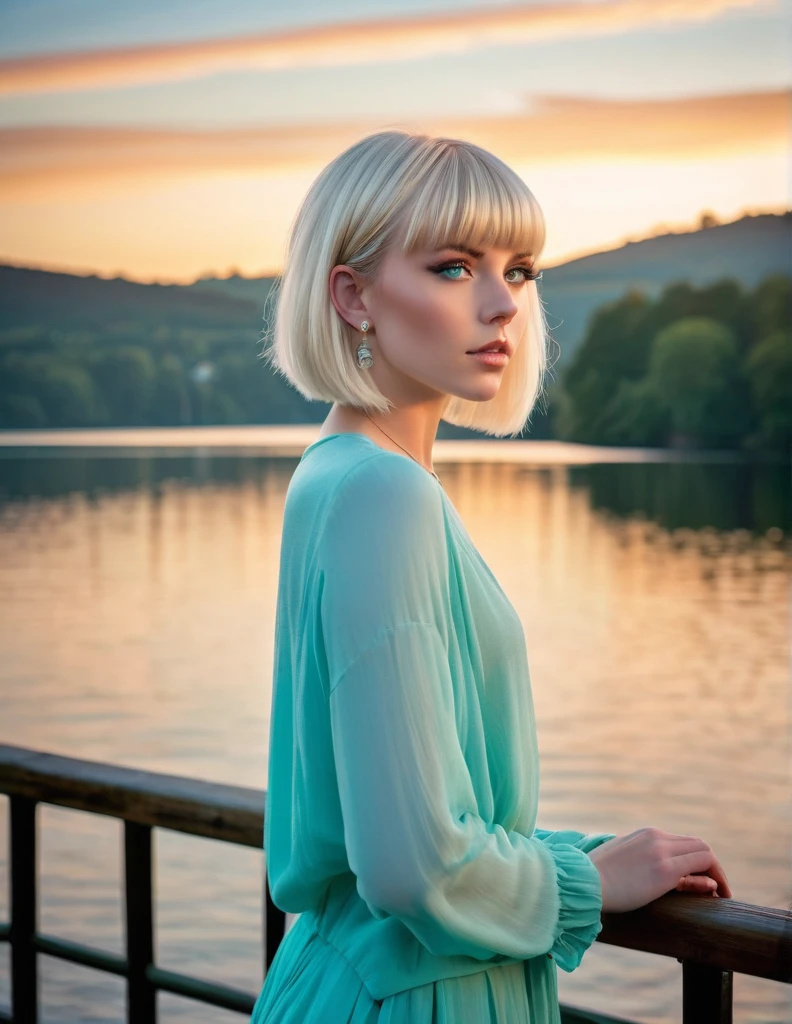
pixel 437 478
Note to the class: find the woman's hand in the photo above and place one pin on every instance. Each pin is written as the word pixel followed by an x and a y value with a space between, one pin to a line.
pixel 640 867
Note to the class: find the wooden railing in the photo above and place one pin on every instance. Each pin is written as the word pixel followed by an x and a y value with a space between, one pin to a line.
pixel 712 938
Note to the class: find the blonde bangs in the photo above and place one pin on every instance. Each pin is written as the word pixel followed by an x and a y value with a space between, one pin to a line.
pixel 469 197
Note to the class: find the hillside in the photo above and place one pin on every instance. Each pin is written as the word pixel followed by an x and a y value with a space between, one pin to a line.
pixel 746 250
pixel 37 298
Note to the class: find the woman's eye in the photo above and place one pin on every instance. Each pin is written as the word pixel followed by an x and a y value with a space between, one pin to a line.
pixel 454 271
pixel 527 274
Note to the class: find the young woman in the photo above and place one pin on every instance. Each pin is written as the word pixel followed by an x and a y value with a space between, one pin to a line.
pixel 403 768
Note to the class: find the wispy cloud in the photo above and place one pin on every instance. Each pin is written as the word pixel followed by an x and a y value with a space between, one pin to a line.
pixel 353 42
pixel 555 129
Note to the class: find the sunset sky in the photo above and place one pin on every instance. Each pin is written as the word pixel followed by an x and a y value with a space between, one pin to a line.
pixel 167 139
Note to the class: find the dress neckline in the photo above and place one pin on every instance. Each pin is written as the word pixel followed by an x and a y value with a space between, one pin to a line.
pixel 353 433
pixel 329 437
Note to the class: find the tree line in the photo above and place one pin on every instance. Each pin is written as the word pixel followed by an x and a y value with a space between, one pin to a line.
pixel 147 376
pixel 708 367
pixel 697 368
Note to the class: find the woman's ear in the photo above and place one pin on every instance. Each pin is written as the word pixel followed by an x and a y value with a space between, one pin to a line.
pixel 346 288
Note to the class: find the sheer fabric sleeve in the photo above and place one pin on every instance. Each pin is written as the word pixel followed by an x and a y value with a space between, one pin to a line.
pixel 586 841
pixel 415 841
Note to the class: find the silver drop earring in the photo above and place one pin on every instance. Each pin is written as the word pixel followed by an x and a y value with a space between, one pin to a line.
pixel 364 356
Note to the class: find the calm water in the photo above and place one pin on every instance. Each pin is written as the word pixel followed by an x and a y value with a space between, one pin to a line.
pixel 137 597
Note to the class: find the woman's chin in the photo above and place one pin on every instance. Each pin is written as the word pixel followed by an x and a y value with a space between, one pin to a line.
pixel 480 391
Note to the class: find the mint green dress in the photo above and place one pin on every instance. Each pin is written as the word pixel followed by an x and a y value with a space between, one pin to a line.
pixel 403 768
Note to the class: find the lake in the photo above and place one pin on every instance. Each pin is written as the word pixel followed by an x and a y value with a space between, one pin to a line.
pixel 138 576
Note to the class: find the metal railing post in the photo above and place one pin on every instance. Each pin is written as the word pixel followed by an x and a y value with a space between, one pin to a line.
pixel 274 926
pixel 141 993
pixel 706 994
pixel 22 930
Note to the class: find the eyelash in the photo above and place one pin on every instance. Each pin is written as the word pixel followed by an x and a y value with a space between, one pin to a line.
pixel 530 275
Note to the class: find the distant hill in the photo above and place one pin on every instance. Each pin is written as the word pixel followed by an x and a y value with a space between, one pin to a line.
pixel 70 302
pixel 746 250
pixel 251 289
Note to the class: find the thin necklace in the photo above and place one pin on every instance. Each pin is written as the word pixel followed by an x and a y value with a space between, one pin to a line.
pixel 437 478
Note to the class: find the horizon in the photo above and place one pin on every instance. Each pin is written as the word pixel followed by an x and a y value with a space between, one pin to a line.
pixel 235 273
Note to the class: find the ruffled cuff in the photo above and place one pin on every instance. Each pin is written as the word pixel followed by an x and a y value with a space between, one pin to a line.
pixel 580 890
pixel 582 840
pixel 593 840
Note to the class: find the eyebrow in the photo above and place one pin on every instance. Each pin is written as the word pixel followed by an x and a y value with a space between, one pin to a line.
pixel 475 253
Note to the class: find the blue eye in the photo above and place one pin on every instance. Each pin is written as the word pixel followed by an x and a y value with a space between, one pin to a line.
pixel 449 267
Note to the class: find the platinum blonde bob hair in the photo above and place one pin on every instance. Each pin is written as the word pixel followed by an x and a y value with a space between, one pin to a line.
pixel 425 192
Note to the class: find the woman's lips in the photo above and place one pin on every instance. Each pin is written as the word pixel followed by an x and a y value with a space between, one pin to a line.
pixel 491 358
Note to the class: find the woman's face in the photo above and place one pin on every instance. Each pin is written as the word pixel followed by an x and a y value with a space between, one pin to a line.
pixel 429 309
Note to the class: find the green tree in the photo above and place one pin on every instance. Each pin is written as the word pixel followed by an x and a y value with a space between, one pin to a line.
pixel 170 401
pixel 241 378
pixel 772 306
pixel 221 407
pixel 724 301
pixel 65 392
pixel 768 368
pixel 617 347
pixel 21 412
pixel 694 366
pixel 69 395
pixel 126 378
pixel 636 415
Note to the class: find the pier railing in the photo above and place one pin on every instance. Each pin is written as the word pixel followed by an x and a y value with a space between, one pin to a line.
pixel 713 939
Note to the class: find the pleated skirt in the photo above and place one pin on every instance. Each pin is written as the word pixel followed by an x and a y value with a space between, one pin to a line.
pixel 310 982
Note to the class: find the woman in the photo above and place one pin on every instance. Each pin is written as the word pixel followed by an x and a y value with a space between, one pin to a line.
pixel 403 768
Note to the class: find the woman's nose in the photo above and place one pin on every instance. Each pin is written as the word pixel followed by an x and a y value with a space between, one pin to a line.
pixel 500 309
pixel 500 303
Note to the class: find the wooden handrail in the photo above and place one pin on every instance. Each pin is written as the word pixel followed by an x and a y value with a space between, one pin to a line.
pixel 710 937
pixel 723 933
pixel 233 814
pixel 734 936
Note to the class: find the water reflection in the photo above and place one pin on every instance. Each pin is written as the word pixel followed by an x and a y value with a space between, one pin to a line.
pixel 748 496
pixel 754 496
pixel 137 600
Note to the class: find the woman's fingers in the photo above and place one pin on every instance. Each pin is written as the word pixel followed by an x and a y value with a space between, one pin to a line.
pixel 702 862
pixel 697 883
pixel 716 871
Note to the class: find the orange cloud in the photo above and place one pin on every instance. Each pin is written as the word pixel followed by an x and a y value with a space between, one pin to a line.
pixel 352 42
pixel 46 161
